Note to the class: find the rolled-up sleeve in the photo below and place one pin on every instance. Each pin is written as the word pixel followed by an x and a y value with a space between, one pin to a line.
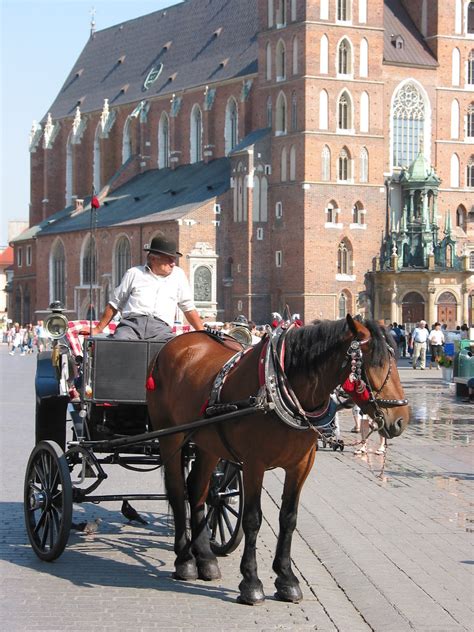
pixel 122 292
pixel 185 300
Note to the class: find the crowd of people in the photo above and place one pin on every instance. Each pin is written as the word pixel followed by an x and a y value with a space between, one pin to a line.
pixel 25 339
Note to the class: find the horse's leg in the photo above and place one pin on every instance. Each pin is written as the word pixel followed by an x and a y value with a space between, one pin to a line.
pixel 287 585
pixel 251 588
pixel 185 564
pixel 198 487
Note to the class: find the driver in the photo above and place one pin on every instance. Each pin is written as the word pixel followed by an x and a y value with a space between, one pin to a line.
pixel 148 295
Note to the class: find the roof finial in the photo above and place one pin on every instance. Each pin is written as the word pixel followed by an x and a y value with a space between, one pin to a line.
pixel 92 14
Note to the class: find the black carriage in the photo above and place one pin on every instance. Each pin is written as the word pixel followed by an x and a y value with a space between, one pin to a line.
pixel 91 413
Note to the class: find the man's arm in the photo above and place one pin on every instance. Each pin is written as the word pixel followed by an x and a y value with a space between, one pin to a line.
pixel 109 313
pixel 194 319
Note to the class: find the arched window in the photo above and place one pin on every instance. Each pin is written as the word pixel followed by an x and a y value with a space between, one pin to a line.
pixel 283 165
pixel 358 214
pixel 362 11
pixel 461 217
pixel 364 165
pixel 269 62
pixel 343 170
pixel 326 164
pixel 344 111
pixel 342 305
pixel 470 121
pixel 364 58
pixel 122 258
pixel 456 67
pixel 196 134
pixel 344 58
pixel 471 260
pixel 231 123
pixel 69 170
pixel 344 258
pixel 256 200
pixel 269 112
pixel 295 55
pixel 455 118
pixel 294 112
pixel 470 17
pixel 449 258
pixel 470 173
pixel 263 199
pixel 454 179
pixel 126 141
pixel 270 13
pixel 280 119
pixel 163 142
pixel 331 212
pixel 58 273
pixel 202 284
pixel 89 262
pixel 458 17
pixel 281 13
pixel 292 162
pixel 280 61
pixel 364 112
pixel 324 9
pixel 293 10
pixel 470 68
pixel 409 130
pixel 343 12
pixel 323 109
pixel 97 167
pixel 324 55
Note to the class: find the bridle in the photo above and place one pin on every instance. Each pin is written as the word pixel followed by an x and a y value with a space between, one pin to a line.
pixel 360 377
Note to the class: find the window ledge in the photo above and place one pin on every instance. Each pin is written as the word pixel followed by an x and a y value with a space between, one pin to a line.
pixel 349 131
pixel 333 225
pixel 345 277
pixel 358 226
pixel 348 181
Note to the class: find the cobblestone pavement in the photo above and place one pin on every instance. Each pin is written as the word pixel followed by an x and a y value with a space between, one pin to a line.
pixel 383 551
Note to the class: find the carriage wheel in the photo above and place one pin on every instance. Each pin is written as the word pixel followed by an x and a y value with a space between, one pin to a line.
pixel 48 500
pixel 225 508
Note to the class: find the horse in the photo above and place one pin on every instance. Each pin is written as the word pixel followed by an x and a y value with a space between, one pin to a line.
pixel 317 358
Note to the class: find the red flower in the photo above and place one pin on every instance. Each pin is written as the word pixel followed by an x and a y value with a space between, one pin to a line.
pixel 95 202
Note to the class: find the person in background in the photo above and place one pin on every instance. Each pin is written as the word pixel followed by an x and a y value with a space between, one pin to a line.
pixel 420 343
pixel 436 340
pixel 17 339
pixel 365 424
pixel 464 332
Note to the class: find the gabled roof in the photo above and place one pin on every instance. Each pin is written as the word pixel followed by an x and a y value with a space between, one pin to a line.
pixel 397 23
pixel 6 257
pixel 197 42
pixel 251 139
pixel 154 196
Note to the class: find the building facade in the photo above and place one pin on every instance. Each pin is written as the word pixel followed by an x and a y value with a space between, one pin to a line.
pixel 279 142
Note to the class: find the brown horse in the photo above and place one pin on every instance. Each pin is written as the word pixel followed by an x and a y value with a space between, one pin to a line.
pixel 317 359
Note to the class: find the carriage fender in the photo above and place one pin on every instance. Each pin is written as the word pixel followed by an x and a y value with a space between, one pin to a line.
pixel 46 379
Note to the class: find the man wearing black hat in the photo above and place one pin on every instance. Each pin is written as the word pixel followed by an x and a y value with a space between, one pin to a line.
pixel 148 295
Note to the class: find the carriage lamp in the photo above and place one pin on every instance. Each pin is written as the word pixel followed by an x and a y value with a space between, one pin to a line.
pixel 56 325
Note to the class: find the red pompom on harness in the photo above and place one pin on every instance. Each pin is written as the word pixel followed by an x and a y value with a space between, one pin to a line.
pixel 357 390
pixel 150 383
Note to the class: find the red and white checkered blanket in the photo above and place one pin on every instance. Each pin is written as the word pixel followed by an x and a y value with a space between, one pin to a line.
pixel 76 326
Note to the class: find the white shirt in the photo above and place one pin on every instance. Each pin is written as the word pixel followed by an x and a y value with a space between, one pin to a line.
pixel 142 292
pixel 436 337
pixel 420 334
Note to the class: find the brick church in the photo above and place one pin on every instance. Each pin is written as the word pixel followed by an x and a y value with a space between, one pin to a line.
pixel 311 153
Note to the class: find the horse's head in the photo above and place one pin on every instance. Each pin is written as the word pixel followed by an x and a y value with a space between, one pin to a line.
pixel 386 402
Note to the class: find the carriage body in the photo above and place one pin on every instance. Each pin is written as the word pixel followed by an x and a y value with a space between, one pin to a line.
pixel 90 408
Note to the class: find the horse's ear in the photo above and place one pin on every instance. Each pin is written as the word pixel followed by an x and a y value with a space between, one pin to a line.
pixel 357 328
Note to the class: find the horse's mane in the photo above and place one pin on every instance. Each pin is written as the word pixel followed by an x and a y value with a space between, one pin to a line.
pixel 309 346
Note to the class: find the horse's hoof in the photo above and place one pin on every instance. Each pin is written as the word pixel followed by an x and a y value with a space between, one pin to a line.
pixel 186 571
pixel 288 592
pixel 208 570
pixel 251 595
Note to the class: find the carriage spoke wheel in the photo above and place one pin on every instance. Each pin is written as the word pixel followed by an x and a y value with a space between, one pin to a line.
pixel 48 500
pixel 225 503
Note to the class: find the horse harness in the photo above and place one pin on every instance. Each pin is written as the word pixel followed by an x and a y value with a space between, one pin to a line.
pixel 276 395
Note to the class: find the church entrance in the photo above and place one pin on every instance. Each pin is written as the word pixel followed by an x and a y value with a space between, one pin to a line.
pixel 447 310
pixel 413 308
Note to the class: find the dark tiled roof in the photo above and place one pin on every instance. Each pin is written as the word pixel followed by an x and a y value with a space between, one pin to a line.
pixel 251 139
pixel 415 51
pixel 203 33
pixel 156 195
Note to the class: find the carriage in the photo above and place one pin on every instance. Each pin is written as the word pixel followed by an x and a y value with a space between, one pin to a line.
pixel 216 415
pixel 95 393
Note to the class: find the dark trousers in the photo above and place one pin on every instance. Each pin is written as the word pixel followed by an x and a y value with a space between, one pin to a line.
pixel 140 327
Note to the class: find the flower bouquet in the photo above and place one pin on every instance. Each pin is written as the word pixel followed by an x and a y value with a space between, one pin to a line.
pixel 445 360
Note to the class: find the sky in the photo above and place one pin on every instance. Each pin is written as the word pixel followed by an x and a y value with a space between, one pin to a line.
pixel 40 41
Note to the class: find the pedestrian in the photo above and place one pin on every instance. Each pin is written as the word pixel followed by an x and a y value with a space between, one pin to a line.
pixel 436 340
pixel 41 336
pixel 420 342
pixel 148 296
pixel 366 426
pixel 17 335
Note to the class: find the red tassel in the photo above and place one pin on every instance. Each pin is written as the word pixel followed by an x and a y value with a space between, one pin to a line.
pixel 203 407
pixel 150 383
pixel 95 202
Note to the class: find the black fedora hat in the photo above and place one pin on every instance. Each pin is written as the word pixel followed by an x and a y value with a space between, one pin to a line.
pixel 162 245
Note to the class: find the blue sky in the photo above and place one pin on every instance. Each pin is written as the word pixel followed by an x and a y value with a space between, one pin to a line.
pixel 40 40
